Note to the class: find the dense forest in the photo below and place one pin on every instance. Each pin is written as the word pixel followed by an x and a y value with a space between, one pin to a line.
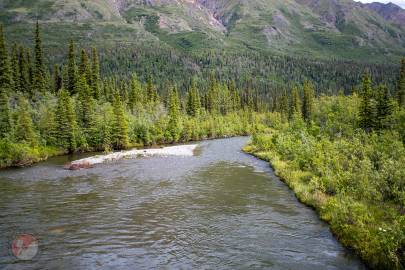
pixel 345 156
pixel 267 74
pixel 71 108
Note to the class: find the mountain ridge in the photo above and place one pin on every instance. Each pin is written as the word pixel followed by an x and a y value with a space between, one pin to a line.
pixel 389 11
pixel 315 28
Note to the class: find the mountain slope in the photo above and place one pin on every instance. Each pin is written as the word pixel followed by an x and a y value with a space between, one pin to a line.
pixel 312 28
pixel 390 12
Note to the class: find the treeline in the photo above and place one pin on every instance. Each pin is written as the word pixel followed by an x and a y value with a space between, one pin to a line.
pixel 72 108
pixel 344 156
pixel 266 74
pixel 376 108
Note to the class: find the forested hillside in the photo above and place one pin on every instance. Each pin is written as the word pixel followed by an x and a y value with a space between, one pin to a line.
pixel 316 29
pixel 266 45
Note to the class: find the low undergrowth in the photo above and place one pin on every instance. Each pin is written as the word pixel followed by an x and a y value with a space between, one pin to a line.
pixel 354 180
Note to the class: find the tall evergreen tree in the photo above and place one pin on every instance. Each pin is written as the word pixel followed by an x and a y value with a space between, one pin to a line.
pixel 30 70
pixel 274 102
pixel 86 111
pixel 15 68
pixel 174 126
pixel 383 107
pixel 367 108
pixel 249 99
pixel 5 70
pixel 119 134
pixel 151 91
pixel 295 103
pixel 225 100
pixel 66 125
pixel 193 105
pixel 84 67
pixel 124 92
pixel 5 121
pixel 212 96
pixel 308 101
pixel 24 72
pixel 135 94
pixel 71 70
pixel 95 72
pixel 57 79
pixel 283 104
pixel 39 77
pixel 24 129
pixel 235 96
pixel 401 85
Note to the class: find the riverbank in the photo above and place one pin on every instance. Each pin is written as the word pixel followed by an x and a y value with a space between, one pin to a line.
pixel 360 218
pixel 24 155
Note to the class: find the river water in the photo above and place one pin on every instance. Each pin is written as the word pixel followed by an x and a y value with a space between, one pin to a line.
pixel 221 209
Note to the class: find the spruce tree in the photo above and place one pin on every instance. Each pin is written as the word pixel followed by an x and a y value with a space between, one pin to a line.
pixel 383 107
pixel 193 105
pixel 225 101
pixel 71 70
pixel 24 72
pixel 15 68
pixel 283 104
pixel 401 85
pixel 367 108
pixel 57 79
pixel 39 75
pixel 84 67
pixel 5 121
pixel 66 125
pixel 24 129
pixel 30 70
pixel 151 91
pixel 135 94
pixel 119 132
pixel 274 103
pixel 212 98
pixel 235 96
pixel 124 92
pixel 308 101
pixel 95 72
pixel 5 70
pixel 174 125
pixel 295 103
pixel 108 92
pixel 249 100
pixel 86 111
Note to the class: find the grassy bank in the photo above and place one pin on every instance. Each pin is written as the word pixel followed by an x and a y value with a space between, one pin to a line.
pixel 354 180
pixel 23 154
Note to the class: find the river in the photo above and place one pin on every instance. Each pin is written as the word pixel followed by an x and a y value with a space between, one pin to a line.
pixel 220 209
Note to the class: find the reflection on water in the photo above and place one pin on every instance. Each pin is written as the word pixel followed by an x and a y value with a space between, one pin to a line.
pixel 221 209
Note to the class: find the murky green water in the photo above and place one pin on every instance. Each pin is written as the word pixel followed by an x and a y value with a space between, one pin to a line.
pixel 221 209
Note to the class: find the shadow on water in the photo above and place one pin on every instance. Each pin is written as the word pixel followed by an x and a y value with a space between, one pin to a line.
pixel 221 209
